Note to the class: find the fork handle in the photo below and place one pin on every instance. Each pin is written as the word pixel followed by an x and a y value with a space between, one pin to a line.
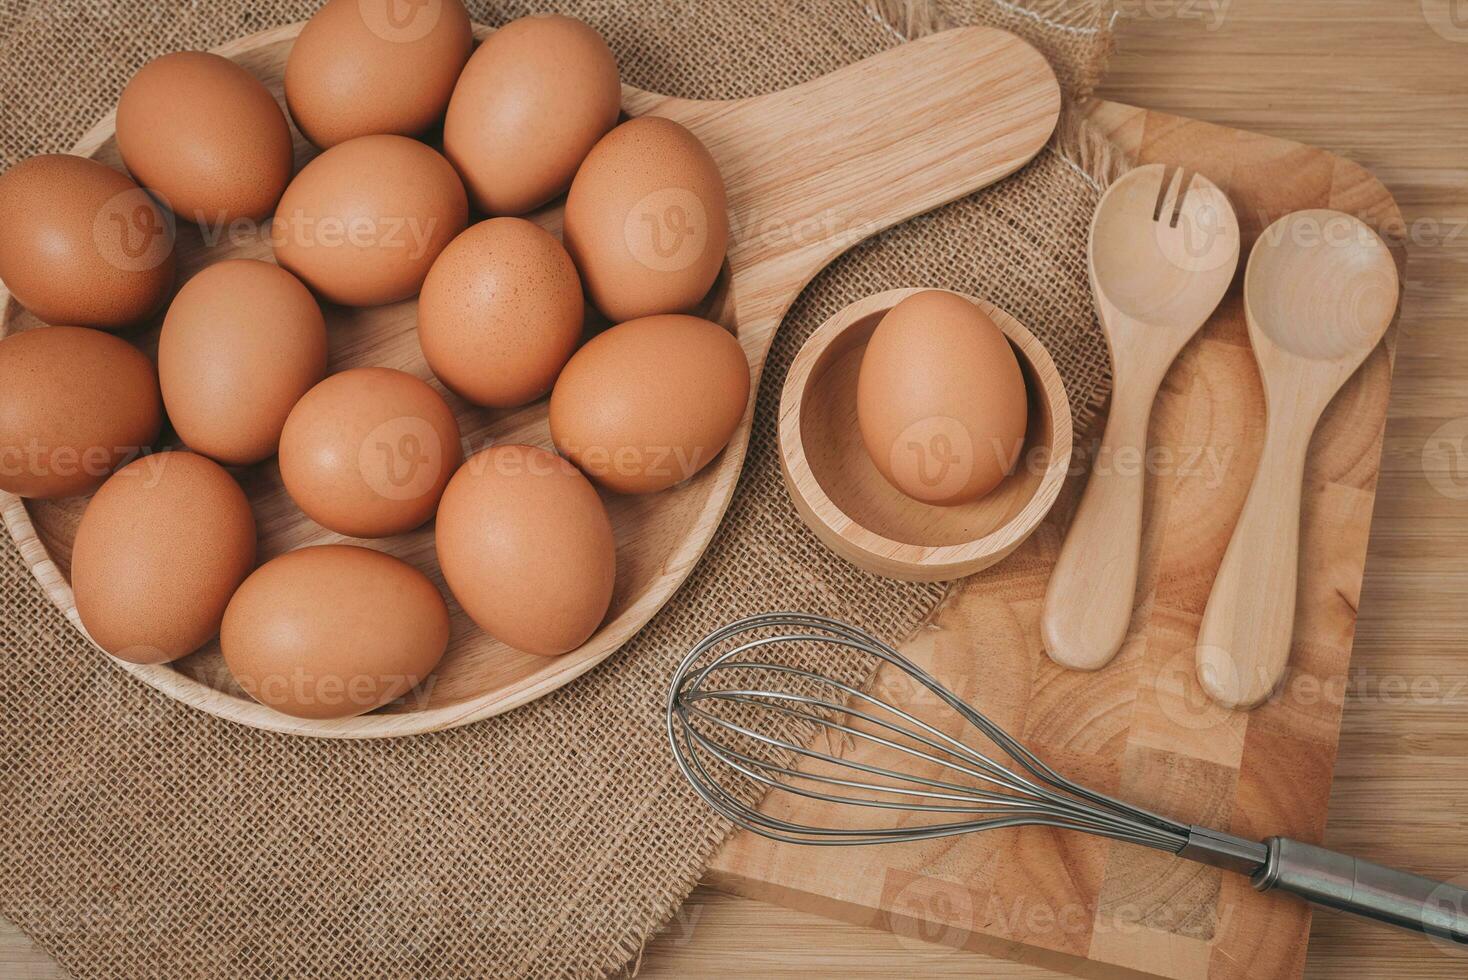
pixel 1347 884
pixel 1092 589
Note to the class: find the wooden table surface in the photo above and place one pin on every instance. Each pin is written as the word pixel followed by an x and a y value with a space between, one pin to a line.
pixel 1384 82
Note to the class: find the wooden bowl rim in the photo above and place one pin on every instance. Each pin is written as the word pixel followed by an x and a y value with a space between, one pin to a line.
pixel 921 560
pixel 557 672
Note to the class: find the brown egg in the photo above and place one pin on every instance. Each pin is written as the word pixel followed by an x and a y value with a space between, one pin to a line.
pixel 526 547
pixel 159 551
pixel 647 220
pixel 941 400
pixel 360 68
pixel 500 313
pixel 74 405
pixel 362 223
pixel 206 136
pixel 531 103
pixel 81 244
pixel 242 342
pixel 650 402
pixel 333 631
pixel 367 452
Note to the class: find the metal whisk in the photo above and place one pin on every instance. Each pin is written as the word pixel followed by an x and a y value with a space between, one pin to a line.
pixel 747 679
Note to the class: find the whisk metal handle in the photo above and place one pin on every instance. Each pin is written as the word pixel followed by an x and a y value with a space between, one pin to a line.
pixel 1347 884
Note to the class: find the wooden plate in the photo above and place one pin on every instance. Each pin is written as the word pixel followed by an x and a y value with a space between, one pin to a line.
pixel 810 171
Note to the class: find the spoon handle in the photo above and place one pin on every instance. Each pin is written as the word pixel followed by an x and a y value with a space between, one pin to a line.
pixel 1244 639
pixel 1089 599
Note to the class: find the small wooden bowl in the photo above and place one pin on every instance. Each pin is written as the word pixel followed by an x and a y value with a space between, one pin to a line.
pixel 859 515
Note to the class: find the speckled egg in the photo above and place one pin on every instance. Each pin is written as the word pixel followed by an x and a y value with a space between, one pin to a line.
pixel 650 402
pixel 367 452
pixel 74 405
pixel 206 136
pixel 526 546
pixel 647 220
pixel 500 313
pixel 81 244
pixel 531 103
pixel 333 631
pixel 242 342
pixel 362 223
pixel 159 552
pixel 361 67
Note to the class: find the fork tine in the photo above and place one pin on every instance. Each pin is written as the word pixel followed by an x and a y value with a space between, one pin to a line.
pixel 1173 188
pixel 1164 190
pixel 1185 184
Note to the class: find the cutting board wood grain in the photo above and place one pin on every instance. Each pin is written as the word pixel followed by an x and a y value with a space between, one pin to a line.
pixel 1142 728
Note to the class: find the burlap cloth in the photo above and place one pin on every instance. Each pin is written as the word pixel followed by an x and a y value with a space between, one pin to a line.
pixel 139 837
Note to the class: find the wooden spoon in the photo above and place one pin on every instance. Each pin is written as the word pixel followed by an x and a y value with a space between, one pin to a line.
pixel 1164 248
pixel 1320 291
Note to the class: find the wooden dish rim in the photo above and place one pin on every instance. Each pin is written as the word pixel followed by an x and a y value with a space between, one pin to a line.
pixel 923 562
pixel 559 671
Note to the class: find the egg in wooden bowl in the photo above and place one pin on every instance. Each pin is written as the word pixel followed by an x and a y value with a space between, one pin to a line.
pixel 960 474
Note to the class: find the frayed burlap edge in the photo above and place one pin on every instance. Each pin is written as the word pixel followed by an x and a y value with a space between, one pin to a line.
pixel 1090 22
pixel 1077 141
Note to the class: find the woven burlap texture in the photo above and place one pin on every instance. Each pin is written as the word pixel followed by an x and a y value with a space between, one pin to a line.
pixel 140 838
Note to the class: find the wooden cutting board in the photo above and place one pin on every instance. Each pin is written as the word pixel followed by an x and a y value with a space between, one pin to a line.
pixel 1142 728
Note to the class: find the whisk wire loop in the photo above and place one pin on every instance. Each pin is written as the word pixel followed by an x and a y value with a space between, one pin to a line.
pixel 1051 804
pixel 700 738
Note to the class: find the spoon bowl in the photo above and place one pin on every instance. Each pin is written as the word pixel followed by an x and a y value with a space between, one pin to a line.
pixel 1321 287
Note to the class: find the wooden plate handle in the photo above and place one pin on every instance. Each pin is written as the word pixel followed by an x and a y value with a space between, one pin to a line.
pixel 1244 640
pixel 1090 596
pixel 814 169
